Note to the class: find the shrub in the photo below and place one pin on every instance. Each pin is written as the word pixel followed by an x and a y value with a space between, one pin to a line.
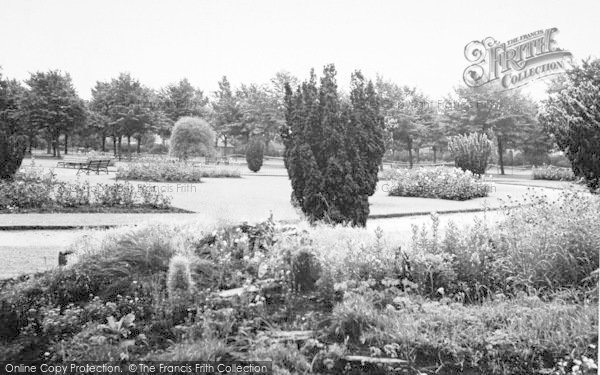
pixel 333 148
pixel 471 152
pixel 166 171
pixel 438 182
pixel 179 278
pixel 31 190
pixel 548 172
pixel 159 149
pixel 255 154
pixel 551 245
pixel 521 336
pixel 573 117
pixel 191 136
pixel 541 246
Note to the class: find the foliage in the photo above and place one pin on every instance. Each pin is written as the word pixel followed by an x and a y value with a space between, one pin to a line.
pixel 32 190
pixel 128 108
pixel 573 117
pixel 52 105
pixel 182 100
pixel 527 335
pixel 191 136
pixel 179 278
pixel 471 152
pixel 491 299
pixel 166 171
pixel 333 148
pixel 437 182
pixel 409 118
pixel 507 117
pixel 548 172
pixel 227 113
pixel 12 140
pixel 255 154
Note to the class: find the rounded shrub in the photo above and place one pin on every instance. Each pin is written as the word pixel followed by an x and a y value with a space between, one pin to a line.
pixel 179 277
pixel 254 155
pixel 191 136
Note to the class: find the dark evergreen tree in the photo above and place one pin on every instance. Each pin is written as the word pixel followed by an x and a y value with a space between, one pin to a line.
pixel 572 116
pixel 12 137
pixel 254 154
pixel 333 148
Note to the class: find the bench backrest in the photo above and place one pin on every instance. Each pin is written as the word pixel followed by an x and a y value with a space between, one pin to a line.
pixel 96 163
pixel 74 159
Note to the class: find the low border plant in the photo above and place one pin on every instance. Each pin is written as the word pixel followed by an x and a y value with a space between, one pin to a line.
pixel 438 182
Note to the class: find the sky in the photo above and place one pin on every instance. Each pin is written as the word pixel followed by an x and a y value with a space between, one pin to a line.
pixel 414 43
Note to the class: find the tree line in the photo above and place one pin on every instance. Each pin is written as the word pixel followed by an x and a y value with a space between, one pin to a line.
pixel 48 111
pixel 51 113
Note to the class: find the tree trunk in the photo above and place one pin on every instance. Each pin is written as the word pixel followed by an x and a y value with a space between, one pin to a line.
pixel 66 144
pixel 103 143
pixel 410 155
pixel 139 148
pixel 129 145
pixel 49 145
pixel 500 159
pixel 434 148
pixel 418 155
pixel 119 141
pixel 57 146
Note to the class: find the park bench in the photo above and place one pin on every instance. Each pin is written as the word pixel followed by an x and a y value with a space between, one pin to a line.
pixel 216 160
pixel 72 162
pixel 95 165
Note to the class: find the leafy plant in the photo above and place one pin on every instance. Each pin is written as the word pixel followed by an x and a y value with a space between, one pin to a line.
pixel 438 182
pixel 548 172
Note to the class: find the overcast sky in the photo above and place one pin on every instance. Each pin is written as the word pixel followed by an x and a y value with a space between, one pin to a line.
pixel 417 43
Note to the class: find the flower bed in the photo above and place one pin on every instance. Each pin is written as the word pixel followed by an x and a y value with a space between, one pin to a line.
pixel 172 171
pixel 33 191
pixel 438 182
pixel 517 297
pixel 549 172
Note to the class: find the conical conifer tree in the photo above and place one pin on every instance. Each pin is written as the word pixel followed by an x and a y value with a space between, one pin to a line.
pixel 333 148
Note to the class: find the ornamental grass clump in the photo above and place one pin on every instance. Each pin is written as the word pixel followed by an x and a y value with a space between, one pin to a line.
pixel 438 182
pixel 179 277
pixel 471 152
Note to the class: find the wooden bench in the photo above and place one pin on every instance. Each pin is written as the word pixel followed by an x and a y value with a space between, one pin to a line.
pixel 72 162
pixel 95 165
pixel 216 160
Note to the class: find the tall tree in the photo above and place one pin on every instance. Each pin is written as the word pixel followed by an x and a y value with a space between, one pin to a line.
pixel 182 99
pixel 53 106
pixel 572 116
pixel 12 135
pixel 227 113
pixel 407 112
pixel 129 105
pixel 333 147
pixel 260 114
